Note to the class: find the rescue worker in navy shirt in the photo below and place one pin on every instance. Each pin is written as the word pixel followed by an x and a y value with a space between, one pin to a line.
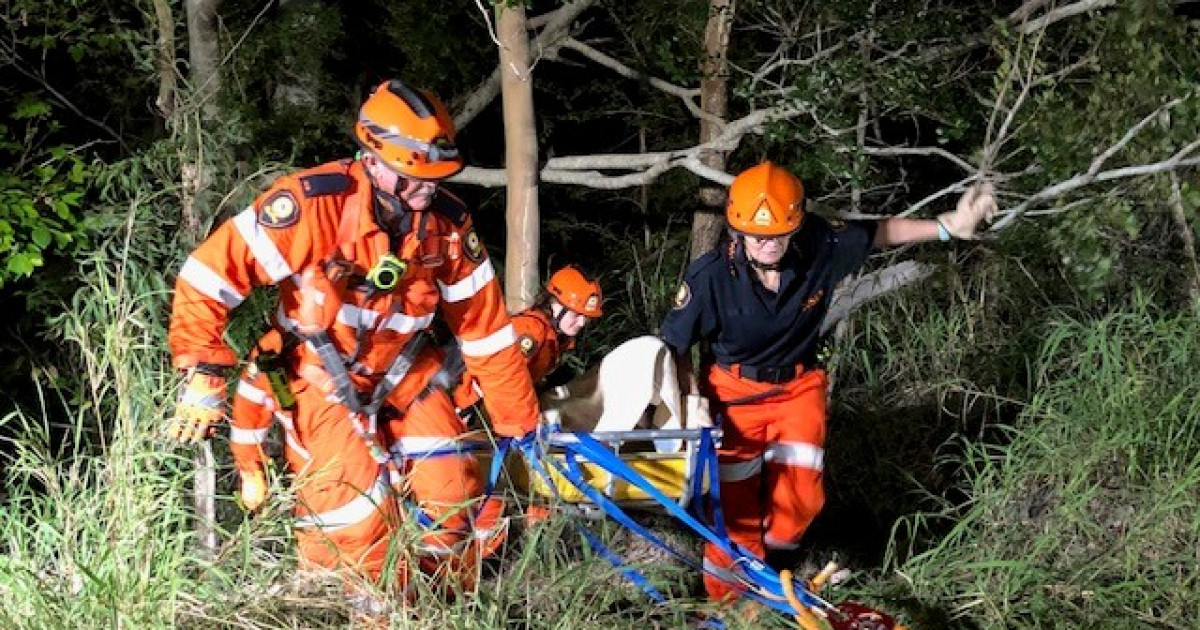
pixel 759 300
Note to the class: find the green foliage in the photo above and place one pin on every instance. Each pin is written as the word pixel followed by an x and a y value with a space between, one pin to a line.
pixel 42 199
pixel 1085 516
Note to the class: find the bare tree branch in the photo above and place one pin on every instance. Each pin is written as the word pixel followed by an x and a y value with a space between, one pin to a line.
pixel 854 293
pixel 585 170
pixel 556 27
pixel 1177 161
pixel 1179 215
pixel 1061 13
pixel 687 95
pixel 934 151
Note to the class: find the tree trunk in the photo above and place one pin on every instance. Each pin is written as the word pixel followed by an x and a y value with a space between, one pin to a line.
pixel 204 54
pixel 520 137
pixel 298 80
pixel 196 173
pixel 165 43
pixel 709 220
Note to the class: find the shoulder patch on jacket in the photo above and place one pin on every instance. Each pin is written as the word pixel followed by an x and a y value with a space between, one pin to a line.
pixel 473 247
pixel 450 207
pixel 280 210
pixel 682 296
pixel 319 184
pixel 527 345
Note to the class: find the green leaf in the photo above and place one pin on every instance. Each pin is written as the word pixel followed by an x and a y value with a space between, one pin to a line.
pixel 41 237
pixel 31 108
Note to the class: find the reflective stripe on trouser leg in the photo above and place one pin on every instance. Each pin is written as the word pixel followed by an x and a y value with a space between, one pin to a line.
pixel 749 428
pixel 446 485
pixel 250 420
pixel 795 461
pixel 740 466
pixel 345 514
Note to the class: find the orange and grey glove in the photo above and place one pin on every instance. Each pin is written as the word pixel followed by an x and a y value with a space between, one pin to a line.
pixel 201 406
pixel 976 205
pixel 252 488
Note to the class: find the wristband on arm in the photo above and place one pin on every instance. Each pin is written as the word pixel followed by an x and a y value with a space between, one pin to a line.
pixel 943 233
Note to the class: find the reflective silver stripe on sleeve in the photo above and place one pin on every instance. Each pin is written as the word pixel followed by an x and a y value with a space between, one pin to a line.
pixel 247 390
pixel 261 246
pixel 289 434
pixel 469 286
pixel 490 344
pixel 740 471
pixel 801 454
pixel 247 436
pixel 356 511
pixel 209 283
pixel 779 545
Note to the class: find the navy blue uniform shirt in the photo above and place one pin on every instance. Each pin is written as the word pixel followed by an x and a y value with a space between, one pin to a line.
pixel 723 302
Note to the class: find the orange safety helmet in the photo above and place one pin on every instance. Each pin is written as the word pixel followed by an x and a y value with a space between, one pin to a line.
pixel 410 131
pixel 765 200
pixel 576 291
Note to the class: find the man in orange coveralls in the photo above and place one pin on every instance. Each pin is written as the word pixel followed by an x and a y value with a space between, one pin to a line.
pixel 759 299
pixel 365 253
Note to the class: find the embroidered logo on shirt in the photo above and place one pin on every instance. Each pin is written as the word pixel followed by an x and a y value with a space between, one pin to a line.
pixel 279 210
pixel 527 345
pixel 473 246
pixel 837 224
pixel 814 299
pixel 682 296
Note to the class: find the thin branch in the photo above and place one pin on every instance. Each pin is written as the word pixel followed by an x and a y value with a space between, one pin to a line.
pixel 1177 161
pixel 1179 215
pixel 934 151
pixel 17 63
pixel 585 170
pixel 1098 163
pixel 549 40
pixel 687 95
pixel 1062 13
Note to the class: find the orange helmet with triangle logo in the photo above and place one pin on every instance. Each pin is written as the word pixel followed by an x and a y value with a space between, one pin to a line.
pixel 765 200
pixel 576 291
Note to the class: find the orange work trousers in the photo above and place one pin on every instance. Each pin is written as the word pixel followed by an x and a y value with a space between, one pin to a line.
pixel 348 510
pixel 770 462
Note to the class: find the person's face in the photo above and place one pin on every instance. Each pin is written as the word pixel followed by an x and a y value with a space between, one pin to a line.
pixel 767 250
pixel 417 194
pixel 570 323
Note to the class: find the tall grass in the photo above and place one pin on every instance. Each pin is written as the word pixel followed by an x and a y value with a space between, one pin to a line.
pixel 1087 515
pixel 97 529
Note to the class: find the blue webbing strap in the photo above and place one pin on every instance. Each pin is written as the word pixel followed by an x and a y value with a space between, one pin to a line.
pixel 762 583
pixel 502 447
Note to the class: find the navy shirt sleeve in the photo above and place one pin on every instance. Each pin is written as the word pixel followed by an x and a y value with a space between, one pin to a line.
pixel 692 316
pixel 852 242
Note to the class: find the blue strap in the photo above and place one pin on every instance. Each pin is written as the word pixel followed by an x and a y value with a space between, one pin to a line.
pixel 762 583
pixel 503 446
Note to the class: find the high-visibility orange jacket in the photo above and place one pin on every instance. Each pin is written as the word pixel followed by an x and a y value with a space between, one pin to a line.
pixel 539 342
pixel 324 214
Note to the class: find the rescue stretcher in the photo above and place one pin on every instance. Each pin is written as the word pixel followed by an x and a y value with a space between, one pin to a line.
pixel 669 473
pixel 609 473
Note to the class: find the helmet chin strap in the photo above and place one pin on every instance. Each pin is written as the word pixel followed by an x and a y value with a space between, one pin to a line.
pixel 762 265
